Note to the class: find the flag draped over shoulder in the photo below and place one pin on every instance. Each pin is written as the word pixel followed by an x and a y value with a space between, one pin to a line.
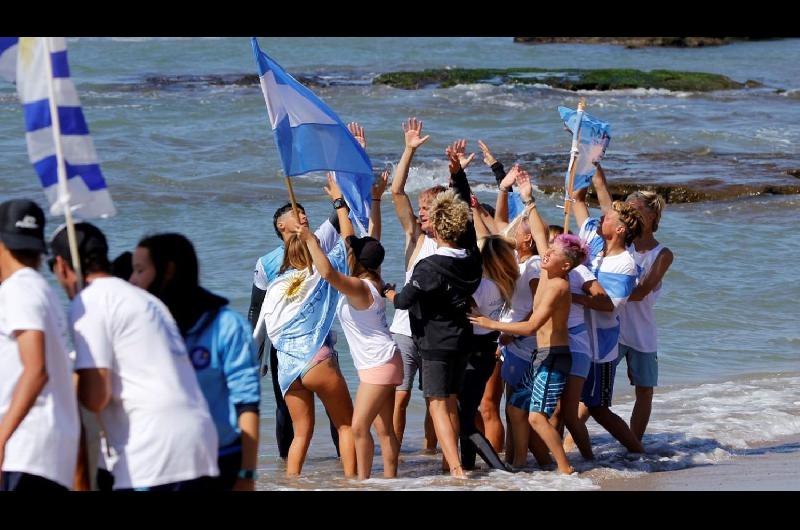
pixel 297 314
pixel 595 135
pixel 311 137
pixel 24 61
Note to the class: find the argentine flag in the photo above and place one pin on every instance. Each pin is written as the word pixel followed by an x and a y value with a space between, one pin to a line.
pixel 595 136
pixel 297 314
pixel 24 60
pixel 311 137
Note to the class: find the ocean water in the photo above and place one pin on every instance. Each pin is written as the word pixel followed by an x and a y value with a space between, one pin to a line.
pixel 184 154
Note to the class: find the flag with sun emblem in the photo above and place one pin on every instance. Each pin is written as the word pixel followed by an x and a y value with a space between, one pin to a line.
pixel 297 315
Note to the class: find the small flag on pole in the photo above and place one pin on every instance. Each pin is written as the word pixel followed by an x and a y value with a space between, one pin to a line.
pixel 87 194
pixel 595 136
pixel 311 137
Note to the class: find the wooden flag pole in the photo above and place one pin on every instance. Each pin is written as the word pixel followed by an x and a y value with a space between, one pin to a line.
pixel 573 162
pixel 292 199
pixel 63 192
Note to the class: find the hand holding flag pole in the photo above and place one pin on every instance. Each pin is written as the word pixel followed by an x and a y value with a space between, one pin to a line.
pixel 573 159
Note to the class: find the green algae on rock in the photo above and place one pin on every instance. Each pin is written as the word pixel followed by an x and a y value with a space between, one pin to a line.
pixel 567 78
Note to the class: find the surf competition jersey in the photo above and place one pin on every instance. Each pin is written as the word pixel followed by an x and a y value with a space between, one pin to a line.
pixel 638 319
pixel 617 276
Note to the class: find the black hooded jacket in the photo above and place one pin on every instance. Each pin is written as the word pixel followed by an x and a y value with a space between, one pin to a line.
pixel 438 295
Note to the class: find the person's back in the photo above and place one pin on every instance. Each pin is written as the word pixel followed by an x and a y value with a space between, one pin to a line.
pixel 157 420
pixel 366 330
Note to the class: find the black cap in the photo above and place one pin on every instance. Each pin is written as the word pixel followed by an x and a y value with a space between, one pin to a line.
pixel 91 241
pixel 22 225
pixel 368 251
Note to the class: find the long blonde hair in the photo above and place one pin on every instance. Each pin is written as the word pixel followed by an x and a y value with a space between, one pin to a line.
pixel 296 255
pixel 500 264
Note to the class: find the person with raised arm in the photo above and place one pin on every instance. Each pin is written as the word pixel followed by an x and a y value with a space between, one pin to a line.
pixel 266 270
pixel 615 270
pixel 638 342
pixel 418 245
pixel 438 296
pixel 362 313
pixel 546 376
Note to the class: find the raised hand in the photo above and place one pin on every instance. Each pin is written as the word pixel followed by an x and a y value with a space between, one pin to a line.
pixel 412 130
pixel 488 157
pixel 303 232
pixel 379 186
pixel 454 162
pixel 358 131
pixel 459 147
pixel 511 177
pixel 524 185
pixel 332 189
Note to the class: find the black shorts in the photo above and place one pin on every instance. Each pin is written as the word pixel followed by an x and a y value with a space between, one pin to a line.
pixel 443 377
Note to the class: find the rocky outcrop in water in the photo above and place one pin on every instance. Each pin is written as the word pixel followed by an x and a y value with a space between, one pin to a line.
pixel 638 42
pixel 564 78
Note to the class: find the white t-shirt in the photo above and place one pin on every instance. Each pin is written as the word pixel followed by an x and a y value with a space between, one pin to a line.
pixel 522 305
pixel 489 302
pixel 617 276
pixel 578 335
pixel 400 323
pixel 638 319
pixel 46 442
pixel 157 422
pixel 366 331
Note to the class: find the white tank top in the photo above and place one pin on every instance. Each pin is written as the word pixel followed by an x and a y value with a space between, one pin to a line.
pixel 637 319
pixel 366 331
pixel 400 323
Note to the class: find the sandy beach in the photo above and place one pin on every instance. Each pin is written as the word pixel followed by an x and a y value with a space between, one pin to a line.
pixel 770 468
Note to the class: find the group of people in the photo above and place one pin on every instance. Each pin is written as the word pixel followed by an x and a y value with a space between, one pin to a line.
pixel 489 306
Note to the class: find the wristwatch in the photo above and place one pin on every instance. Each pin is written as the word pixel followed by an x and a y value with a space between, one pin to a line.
pixel 248 474
pixel 339 203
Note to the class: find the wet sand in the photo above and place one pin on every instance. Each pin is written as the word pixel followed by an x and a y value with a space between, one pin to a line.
pixel 771 468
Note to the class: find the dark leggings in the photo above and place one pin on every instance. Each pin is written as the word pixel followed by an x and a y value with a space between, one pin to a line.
pixel 480 366
pixel 284 431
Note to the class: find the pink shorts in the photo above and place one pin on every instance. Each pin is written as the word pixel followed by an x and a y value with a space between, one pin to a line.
pixel 390 373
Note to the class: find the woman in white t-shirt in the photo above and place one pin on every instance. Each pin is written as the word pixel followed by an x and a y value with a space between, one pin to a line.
pixel 362 313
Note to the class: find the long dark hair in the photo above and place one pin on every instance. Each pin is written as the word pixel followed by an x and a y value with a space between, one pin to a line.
pixel 181 291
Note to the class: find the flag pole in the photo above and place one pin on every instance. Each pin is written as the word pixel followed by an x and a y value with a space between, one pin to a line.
pixel 573 162
pixel 63 193
pixel 292 199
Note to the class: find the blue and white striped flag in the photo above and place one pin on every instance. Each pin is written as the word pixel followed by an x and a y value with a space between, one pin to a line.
pixel 311 137
pixel 595 136
pixel 87 193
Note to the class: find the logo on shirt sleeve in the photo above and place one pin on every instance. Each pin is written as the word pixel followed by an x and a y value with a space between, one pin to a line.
pixel 200 358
